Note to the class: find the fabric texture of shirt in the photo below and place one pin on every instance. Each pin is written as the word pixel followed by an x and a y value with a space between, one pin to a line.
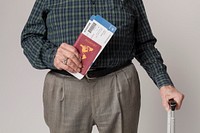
pixel 53 22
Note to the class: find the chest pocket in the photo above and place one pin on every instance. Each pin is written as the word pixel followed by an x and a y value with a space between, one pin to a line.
pixel 122 14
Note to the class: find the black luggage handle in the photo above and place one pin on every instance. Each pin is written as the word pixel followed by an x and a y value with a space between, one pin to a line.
pixel 172 104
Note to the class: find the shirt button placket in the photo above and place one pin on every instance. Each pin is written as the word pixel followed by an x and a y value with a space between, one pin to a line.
pixel 93 3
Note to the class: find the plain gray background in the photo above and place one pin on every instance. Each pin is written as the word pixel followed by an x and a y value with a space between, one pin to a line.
pixel 175 23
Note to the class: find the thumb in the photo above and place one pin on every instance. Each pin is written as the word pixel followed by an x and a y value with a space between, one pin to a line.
pixel 165 103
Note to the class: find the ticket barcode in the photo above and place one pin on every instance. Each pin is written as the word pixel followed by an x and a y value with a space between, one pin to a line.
pixel 87 26
pixel 92 27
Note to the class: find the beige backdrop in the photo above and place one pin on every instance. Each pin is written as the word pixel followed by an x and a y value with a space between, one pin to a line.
pixel 174 22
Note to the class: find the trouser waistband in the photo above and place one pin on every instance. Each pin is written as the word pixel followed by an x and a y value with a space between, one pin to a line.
pixel 98 72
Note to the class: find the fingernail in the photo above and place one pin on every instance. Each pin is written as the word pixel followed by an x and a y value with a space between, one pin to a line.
pixel 78 70
pixel 80 66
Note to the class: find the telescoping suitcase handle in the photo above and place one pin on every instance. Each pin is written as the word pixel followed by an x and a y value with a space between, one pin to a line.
pixel 171 116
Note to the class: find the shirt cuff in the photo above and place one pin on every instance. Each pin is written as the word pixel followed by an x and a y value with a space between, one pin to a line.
pixel 48 57
pixel 163 80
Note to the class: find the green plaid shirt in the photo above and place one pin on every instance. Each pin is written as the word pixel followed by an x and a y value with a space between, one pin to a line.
pixel 53 22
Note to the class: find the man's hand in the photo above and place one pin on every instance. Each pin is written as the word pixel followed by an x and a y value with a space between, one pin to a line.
pixel 170 92
pixel 67 58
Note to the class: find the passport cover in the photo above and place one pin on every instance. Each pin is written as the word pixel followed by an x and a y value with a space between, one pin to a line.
pixel 88 49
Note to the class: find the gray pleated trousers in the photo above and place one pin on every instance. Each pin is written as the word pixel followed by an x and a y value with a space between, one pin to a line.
pixel 111 102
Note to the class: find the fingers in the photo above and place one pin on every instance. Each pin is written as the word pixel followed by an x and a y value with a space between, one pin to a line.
pixel 58 62
pixel 179 100
pixel 169 92
pixel 70 55
pixel 165 104
pixel 71 51
pixel 73 60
